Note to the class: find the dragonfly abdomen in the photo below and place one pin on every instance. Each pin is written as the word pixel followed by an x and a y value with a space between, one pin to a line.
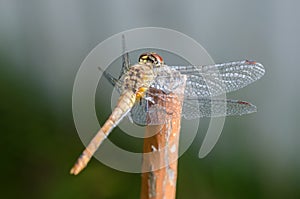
pixel 136 82
pixel 125 103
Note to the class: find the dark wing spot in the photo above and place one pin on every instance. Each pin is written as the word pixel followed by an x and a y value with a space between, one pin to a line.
pixel 243 102
pixel 250 62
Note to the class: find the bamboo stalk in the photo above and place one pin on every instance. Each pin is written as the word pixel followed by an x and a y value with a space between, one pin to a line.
pixel 159 167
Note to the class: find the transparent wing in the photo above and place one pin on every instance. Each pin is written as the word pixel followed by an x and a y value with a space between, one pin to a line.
pixel 202 83
pixel 125 67
pixel 214 80
pixel 125 58
pixel 141 114
pixel 138 113
pixel 192 109
pixel 206 107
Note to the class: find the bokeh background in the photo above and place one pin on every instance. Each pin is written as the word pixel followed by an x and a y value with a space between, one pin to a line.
pixel 42 44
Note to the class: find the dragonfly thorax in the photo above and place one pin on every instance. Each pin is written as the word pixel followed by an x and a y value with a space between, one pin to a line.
pixel 152 58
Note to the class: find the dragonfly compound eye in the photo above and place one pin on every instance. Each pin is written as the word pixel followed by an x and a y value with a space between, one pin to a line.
pixel 152 58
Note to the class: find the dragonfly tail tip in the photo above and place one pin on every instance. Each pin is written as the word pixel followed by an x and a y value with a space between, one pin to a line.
pixel 76 169
pixel 73 171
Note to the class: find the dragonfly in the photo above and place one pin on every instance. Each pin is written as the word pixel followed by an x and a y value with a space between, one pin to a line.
pixel 136 82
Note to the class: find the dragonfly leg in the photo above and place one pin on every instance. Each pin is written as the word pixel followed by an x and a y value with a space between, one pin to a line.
pixel 150 99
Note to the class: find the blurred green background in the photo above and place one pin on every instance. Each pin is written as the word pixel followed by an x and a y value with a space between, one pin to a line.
pixel 42 44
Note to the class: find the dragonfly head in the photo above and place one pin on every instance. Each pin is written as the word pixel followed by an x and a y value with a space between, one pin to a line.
pixel 152 58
